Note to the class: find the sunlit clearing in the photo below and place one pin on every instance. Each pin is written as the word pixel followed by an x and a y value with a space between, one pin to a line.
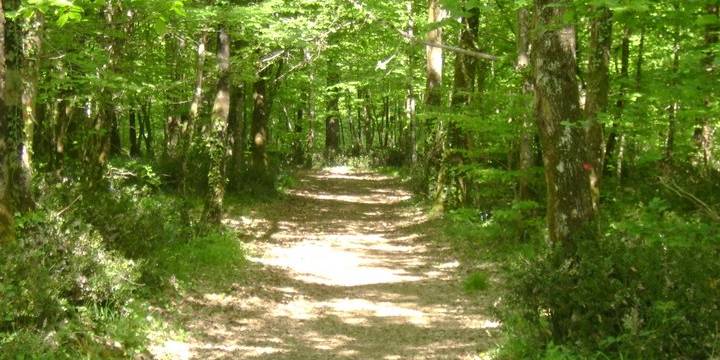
pixel 374 199
pixel 322 264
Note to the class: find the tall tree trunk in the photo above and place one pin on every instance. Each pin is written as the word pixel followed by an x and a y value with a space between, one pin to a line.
pixel 189 127
pixel 7 227
pixel 463 86
pixel 310 103
pixel 526 132
pixel 433 98
pixel 598 90
pixel 238 135
pixel 675 105
pixel 173 122
pixel 259 128
pixel 410 97
pixel 297 145
pixel 434 68
pixel 216 138
pixel 132 133
pixel 31 48
pixel 146 125
pixel 570 211
pixel 187 130
pixel 613 140
pixel 705 131
pixel 332 120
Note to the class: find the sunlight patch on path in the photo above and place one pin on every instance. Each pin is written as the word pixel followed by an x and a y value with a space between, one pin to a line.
pixel 343 272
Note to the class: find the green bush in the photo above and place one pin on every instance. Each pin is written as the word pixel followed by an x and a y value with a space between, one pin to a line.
pixel 56 264
pixel 627 299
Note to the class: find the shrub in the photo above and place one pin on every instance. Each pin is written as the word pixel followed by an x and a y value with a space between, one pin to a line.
pixel 629 299
pixel 56 264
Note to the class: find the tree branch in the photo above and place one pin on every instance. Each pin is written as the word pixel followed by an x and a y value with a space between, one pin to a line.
pixel 359 6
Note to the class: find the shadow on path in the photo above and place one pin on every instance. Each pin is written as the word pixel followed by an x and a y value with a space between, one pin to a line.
pixel 343 271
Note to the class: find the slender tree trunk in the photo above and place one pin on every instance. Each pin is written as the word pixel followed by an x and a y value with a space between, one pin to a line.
pixel 705 130
pixel 172 126
pixel 433 98
pixel 332 120
pixel 237 131
pixel 526 132
pixel 675 105
pixel 187 130
pixel 189 127
pixel 7 227
pixel 259 129
pixel 570 211
pixel 310 103
pixel 147 134
pixel 598 91
pixel 433 93
pixel 410 97
pixel 31 48
pixel 463 86
pixel 612 141
pixel 132 133
pixel 216 138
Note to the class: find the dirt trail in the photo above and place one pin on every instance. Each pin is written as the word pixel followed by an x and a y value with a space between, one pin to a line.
pixel 342 270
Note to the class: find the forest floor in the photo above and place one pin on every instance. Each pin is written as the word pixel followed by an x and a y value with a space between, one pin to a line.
pixel 344 267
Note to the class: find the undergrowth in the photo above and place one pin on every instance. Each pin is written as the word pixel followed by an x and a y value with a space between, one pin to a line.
pixel 92 271
pixel 647 289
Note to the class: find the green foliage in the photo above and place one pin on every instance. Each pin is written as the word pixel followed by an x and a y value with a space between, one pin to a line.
pixel 475 282
pixel 624 297
pixel 213 259
pixel 57 264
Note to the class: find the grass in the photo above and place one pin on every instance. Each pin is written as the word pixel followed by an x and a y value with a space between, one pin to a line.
pixel 476 282
pixel 208 260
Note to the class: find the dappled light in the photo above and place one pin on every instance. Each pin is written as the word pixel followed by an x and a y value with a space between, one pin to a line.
pixel 342 271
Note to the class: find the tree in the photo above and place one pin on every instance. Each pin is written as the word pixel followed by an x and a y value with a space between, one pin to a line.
pixel 570 210
pixel 598 89
pixel 7 227
pixel 260 132
pixel 332 119
pixel 31 47
pixel 216 138
pixel 526 87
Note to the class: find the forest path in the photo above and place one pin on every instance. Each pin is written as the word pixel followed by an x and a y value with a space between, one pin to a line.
pixel 343 269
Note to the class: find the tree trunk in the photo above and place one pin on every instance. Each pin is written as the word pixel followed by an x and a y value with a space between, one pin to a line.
pixel 187 130
pixel 332 120
pixel 132 133
pixel 434 55
pixel 216 138
pixel 612 141
pixel 31 48
pixel 410 97
pixel 570 211
pixel 259 128
pixel 675 105
pixel 147 134
pixel 526 133
pixel 7 227
pixel 598 90
pixel 172 125
pixel 238 135
pixel 705 130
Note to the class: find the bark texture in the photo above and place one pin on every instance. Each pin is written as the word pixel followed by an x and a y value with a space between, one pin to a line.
pixel 216 137
pixel 598 90
pixel 7 228
pixel 570 212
